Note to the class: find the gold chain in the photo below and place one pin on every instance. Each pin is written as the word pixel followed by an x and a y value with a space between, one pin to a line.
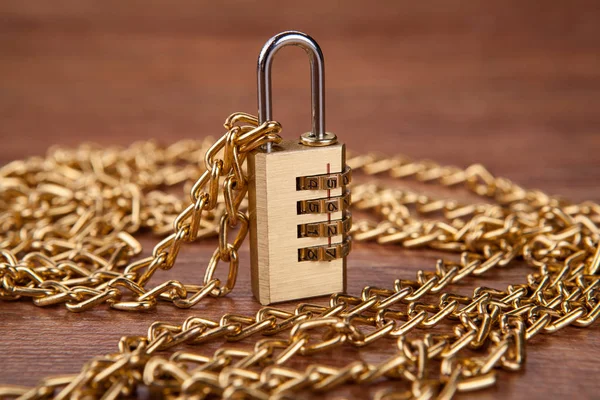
pixel 66 238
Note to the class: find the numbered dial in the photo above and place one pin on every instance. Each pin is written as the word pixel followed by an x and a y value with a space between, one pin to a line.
pixel 327 206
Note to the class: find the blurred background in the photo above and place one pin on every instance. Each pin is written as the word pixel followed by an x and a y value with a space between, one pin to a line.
pixel 512 84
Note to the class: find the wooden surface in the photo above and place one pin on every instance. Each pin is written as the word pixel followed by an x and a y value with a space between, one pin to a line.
pixel 514 85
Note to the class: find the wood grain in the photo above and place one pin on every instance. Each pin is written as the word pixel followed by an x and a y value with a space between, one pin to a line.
pixel 514 85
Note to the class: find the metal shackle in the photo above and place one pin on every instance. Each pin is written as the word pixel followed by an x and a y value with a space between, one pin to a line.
pixel 317 136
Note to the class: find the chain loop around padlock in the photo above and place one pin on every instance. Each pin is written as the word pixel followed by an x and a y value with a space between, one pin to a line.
pixel 224 174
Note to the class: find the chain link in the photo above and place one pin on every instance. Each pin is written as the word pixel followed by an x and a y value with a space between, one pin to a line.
pixel 72 215
pixel 67 222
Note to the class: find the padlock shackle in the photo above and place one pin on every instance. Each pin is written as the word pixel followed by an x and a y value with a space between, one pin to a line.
pixel 317 80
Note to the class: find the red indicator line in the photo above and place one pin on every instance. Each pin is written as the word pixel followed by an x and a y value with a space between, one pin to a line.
pixel 329 196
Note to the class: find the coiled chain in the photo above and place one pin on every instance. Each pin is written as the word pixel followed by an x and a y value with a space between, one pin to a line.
pixel 66 226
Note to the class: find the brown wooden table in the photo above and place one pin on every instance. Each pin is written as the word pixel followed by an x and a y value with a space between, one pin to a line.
pixel 515 85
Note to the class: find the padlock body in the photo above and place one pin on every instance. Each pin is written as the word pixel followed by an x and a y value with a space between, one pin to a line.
pixel 299 222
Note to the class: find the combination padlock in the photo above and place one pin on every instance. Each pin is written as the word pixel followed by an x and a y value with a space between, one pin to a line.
pixel 298 196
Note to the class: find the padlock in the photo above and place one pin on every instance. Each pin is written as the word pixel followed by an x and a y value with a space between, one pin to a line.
pixel 298 196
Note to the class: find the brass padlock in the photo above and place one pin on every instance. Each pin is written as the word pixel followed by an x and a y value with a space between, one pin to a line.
pixel 298 196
